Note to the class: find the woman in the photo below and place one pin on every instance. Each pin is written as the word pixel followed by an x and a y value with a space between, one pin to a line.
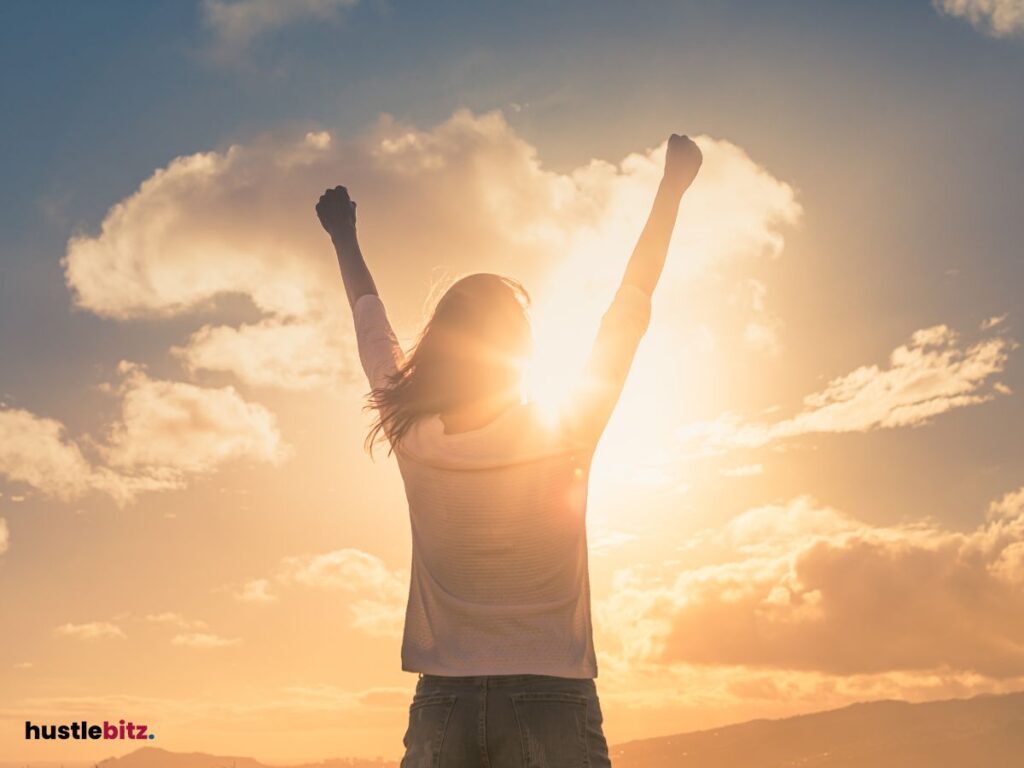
pixel 498 619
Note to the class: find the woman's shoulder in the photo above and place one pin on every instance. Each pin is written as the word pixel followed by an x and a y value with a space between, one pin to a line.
pixel 524 432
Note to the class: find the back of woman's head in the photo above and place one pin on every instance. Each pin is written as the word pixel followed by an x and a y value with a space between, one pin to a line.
pixel 471 350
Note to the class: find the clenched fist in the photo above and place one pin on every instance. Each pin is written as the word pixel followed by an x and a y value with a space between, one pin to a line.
pixel 682 161
pixel 337 212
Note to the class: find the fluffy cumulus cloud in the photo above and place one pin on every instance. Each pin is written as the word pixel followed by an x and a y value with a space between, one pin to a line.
pixel 167 432
pixel 35 451
pixel 208 224
pixel 379 593
pixel 799 586
pixel 469 194
pixel 238 22
pixel 270 353
pixel 169 429
pixel 935 372
pixel 1000 18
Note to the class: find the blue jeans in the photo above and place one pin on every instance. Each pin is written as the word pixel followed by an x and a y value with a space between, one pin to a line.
pixel 505 721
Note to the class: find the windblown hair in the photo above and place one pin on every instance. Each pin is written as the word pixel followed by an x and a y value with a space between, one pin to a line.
pixel 472 349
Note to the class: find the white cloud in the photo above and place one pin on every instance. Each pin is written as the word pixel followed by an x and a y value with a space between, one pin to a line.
pixel 601 539
pixel 256 591
pixel 5 536
pixel 175 620
pixel 167 432
pixel 170 429
pixel 172 247
pixel 744 470
pixel 799 586
pixel 93 630
pixel 933 373
pixel 204 640
pixel 1008 506
pixel 763 329
pixel 1000 18
pixel 35 451
pixel 379 593
pixel 993 321
pixel 238 22
pixel 193 632
pixel 271 353
pixel 772 528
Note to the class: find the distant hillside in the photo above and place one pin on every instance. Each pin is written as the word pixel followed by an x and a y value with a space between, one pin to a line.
pixel 154 757
pixel 983 732
pixel 151 757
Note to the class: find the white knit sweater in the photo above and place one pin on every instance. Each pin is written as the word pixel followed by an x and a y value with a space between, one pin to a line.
pixel 499 581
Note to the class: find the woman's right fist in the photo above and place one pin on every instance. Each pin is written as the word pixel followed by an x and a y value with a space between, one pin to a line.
pixel 337 212
pixel 682 161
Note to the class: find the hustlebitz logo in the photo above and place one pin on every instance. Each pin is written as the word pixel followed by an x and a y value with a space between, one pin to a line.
pixel 83 730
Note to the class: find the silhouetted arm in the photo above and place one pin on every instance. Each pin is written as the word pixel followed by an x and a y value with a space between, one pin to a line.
pixel 337 214
pixel 354 272
pixel 379 351
pixel 627 319
pixel 682 161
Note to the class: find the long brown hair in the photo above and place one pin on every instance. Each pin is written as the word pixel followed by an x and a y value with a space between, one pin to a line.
pixel 472 347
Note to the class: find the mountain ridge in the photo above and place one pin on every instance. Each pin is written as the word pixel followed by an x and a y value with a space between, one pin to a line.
pixel 984 730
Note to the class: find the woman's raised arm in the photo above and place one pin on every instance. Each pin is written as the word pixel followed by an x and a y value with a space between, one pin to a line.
pixel 682 161
pixel 337 214
pixel 379 351
pixel 626 320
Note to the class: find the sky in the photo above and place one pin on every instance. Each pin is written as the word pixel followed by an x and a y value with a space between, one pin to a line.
pixel 811 493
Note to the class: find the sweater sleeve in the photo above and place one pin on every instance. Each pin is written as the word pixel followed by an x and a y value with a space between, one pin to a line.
pixel 379 351
pixel 611 357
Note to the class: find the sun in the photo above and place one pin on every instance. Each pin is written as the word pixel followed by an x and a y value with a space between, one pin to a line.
pixel 560 347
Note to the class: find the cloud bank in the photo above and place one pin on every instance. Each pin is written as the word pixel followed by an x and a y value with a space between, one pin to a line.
pixel 799 586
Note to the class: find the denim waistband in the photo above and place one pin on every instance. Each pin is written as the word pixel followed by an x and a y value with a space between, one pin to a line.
pixel 495 681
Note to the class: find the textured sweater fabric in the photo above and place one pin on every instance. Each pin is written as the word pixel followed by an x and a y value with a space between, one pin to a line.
pixel 499 582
